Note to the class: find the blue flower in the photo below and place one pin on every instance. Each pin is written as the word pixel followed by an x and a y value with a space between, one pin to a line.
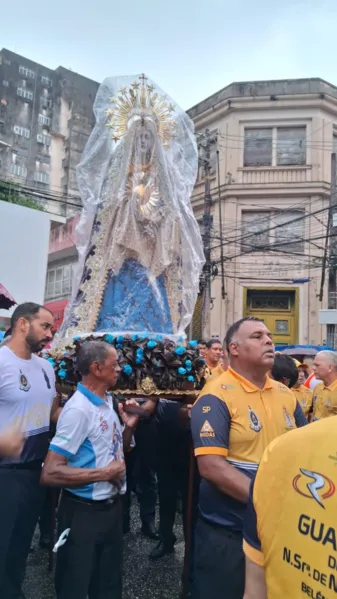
pixel 62 373
pixel 139 355
pixel 181 371
pixel 193 343
pixel 180 350
pixel 151 344
pixel 188 365
pixel 134 337
pixel 51 361
pixel 77 338
pixel 63 363
pixel 109 338
pixel 159 337
pixel 119 346
pixel 190 378
pixel 120 339
pixel 127 369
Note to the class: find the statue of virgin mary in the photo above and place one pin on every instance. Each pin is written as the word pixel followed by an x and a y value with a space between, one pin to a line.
pixel 140 249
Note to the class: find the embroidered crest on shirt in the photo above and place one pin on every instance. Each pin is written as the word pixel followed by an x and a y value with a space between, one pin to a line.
pixel 103 425
pixel 24 384
pixel 117 443
pixel 287 418
pixel 207 430
pixel 46 378
pixel 254 422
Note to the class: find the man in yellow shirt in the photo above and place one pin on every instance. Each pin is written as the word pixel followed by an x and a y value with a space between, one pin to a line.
pixel 325 394
pixel 290 532
pixel 232 422
pixel 213 357
pixel 303 395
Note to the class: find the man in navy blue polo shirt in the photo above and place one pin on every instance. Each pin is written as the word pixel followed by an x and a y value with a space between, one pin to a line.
pixel 86 458
pixel 27 389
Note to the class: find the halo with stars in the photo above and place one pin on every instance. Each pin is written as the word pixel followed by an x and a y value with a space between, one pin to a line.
pixel 140 99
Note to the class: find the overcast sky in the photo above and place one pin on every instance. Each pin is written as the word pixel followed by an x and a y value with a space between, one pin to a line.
pixel 190 48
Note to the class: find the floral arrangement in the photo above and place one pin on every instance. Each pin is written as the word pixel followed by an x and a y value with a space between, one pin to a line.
pixel 148 365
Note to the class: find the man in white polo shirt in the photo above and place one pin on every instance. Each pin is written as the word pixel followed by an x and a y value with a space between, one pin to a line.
pixel 86 458
pixel 27 389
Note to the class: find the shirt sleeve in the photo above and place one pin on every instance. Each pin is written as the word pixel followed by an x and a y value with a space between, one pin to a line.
pixel 251 541
pixel 210 425
pixel 300 419
pixel 71 431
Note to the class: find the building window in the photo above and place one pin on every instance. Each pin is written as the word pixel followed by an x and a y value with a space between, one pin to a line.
pixel 21 131
pixel 256 225
pixel 258 147
pixel 45 102
pixel 59 281
pixel 19 171
pixel 275 146
pixel 43 139
pixel 5 83
pixel 46 81
pixel 263 231
pixel 24 93
pixel 44 120
pixel 41 177
pixel 26 72
pixel 7 62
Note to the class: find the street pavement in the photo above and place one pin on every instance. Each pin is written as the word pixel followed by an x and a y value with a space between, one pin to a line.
pixel 143 579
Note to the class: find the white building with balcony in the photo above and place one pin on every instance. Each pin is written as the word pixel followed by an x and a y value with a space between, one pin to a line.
pixel 274 144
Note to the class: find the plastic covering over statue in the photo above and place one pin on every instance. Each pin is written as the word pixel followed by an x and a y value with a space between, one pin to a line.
pixel 140 249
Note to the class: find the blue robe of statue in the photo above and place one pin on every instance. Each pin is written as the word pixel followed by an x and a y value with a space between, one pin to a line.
pixel 131 303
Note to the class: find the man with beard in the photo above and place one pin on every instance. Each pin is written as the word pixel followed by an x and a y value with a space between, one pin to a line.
pixel 27 389
pixel 232 422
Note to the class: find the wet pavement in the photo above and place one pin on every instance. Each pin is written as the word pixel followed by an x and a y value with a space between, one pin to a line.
pixel 143 579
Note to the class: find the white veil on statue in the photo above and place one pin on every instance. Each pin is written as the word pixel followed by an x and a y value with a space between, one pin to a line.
pixel 140 249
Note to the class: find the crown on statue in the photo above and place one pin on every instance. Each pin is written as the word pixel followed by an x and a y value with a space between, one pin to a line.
pixel 140 101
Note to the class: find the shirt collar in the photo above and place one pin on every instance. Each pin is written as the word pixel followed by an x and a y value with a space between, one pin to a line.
pixel 332 387
pixel 247 385
pixel 92 397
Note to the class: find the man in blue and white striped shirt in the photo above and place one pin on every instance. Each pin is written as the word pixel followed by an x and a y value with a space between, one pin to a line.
pixel 86 458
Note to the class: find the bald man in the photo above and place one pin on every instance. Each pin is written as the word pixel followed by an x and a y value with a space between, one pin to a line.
pixel 325 394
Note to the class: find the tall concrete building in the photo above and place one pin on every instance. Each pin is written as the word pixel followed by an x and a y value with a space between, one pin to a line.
pixel 46 117
pixel 274 142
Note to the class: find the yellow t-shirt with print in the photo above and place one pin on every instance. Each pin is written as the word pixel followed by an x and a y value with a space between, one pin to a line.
pixel 235 419
pixel 325 401
pixel 290 525
pixel 304 397
pixel 213 373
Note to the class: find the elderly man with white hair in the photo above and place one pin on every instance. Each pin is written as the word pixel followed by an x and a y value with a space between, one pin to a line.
pixel 325 394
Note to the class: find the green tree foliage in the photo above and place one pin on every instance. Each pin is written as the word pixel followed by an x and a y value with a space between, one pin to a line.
pixel 11 193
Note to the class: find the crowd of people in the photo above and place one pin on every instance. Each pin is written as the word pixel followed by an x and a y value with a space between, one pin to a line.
pixel 260 523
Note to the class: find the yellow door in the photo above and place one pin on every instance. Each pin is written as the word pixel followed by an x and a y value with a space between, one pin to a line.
pixel 277 309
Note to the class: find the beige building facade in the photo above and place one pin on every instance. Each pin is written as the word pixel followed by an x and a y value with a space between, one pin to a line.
pixel 274 145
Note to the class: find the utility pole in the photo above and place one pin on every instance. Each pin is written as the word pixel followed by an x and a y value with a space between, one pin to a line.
pixel 332 211
pixel 208 140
